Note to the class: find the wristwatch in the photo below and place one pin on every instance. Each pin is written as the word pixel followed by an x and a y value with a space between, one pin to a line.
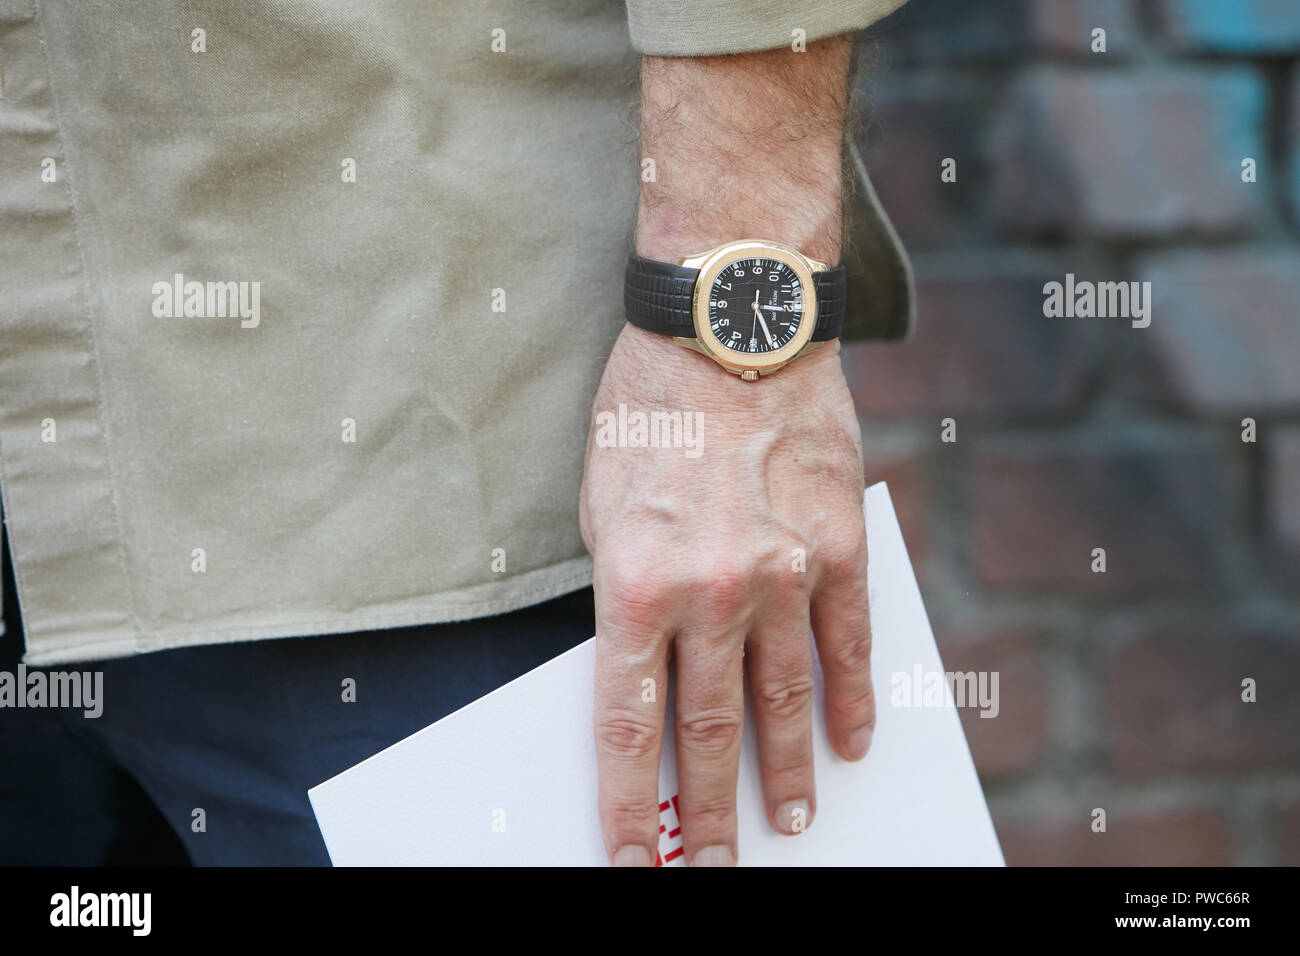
pixel 751 305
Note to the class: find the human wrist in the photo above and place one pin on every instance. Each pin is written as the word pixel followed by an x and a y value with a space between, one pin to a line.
pixel 744 147
pixel 816 233
pixel 708 206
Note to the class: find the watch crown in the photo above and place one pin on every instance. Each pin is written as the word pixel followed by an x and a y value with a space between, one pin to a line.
pixel 749 375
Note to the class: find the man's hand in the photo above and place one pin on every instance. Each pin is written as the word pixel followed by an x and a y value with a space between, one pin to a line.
pixel 713 559
pixel 721 561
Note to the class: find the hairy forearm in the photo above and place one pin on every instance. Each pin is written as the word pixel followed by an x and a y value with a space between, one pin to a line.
pixel 745 146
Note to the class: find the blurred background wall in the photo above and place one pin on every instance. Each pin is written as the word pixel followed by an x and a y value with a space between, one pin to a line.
pixel 1120 690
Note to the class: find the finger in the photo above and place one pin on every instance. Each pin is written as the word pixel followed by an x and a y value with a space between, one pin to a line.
pixel 779 666
pixel 631 677
pixel 710 718
pixel 841 620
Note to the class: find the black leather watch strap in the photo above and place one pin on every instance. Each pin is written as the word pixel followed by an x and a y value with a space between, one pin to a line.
pixel 657 297
pixel 832 300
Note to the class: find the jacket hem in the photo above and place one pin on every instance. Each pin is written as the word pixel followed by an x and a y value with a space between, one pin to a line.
pixel 529 589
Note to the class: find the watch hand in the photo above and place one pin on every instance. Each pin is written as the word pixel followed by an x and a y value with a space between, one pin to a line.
pixel 766 333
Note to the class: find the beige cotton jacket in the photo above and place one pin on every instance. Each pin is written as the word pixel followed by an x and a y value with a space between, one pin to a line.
pixel 253 377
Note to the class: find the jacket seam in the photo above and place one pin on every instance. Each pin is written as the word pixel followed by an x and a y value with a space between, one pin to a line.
pixel 101 417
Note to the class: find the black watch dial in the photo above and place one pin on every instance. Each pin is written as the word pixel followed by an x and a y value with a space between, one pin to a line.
pixel 755 305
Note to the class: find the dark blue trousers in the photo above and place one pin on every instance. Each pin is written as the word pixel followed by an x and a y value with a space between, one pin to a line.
pixel 240 732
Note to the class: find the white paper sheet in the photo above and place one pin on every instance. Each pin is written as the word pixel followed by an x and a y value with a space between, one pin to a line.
pixel 511 778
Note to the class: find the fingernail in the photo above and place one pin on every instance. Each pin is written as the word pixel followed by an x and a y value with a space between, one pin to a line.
pixel 632 855
pixel 793 816
pixel 714 856
pixel 860 742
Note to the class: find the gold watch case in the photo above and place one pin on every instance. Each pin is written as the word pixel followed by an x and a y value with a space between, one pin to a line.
pixel 712 263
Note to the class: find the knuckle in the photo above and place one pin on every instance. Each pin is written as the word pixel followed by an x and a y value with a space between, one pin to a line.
pixel 639 596
pixel 628 737
pixel 854 653
pixel 724 588
pixel 629 573
pixel 785 697
pixel 844 554
pixel 627 811
pixel 711 814
pixel 712 733
pixel 789 768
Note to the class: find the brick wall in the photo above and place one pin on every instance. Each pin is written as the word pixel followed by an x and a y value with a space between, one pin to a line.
pixel 1120 690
